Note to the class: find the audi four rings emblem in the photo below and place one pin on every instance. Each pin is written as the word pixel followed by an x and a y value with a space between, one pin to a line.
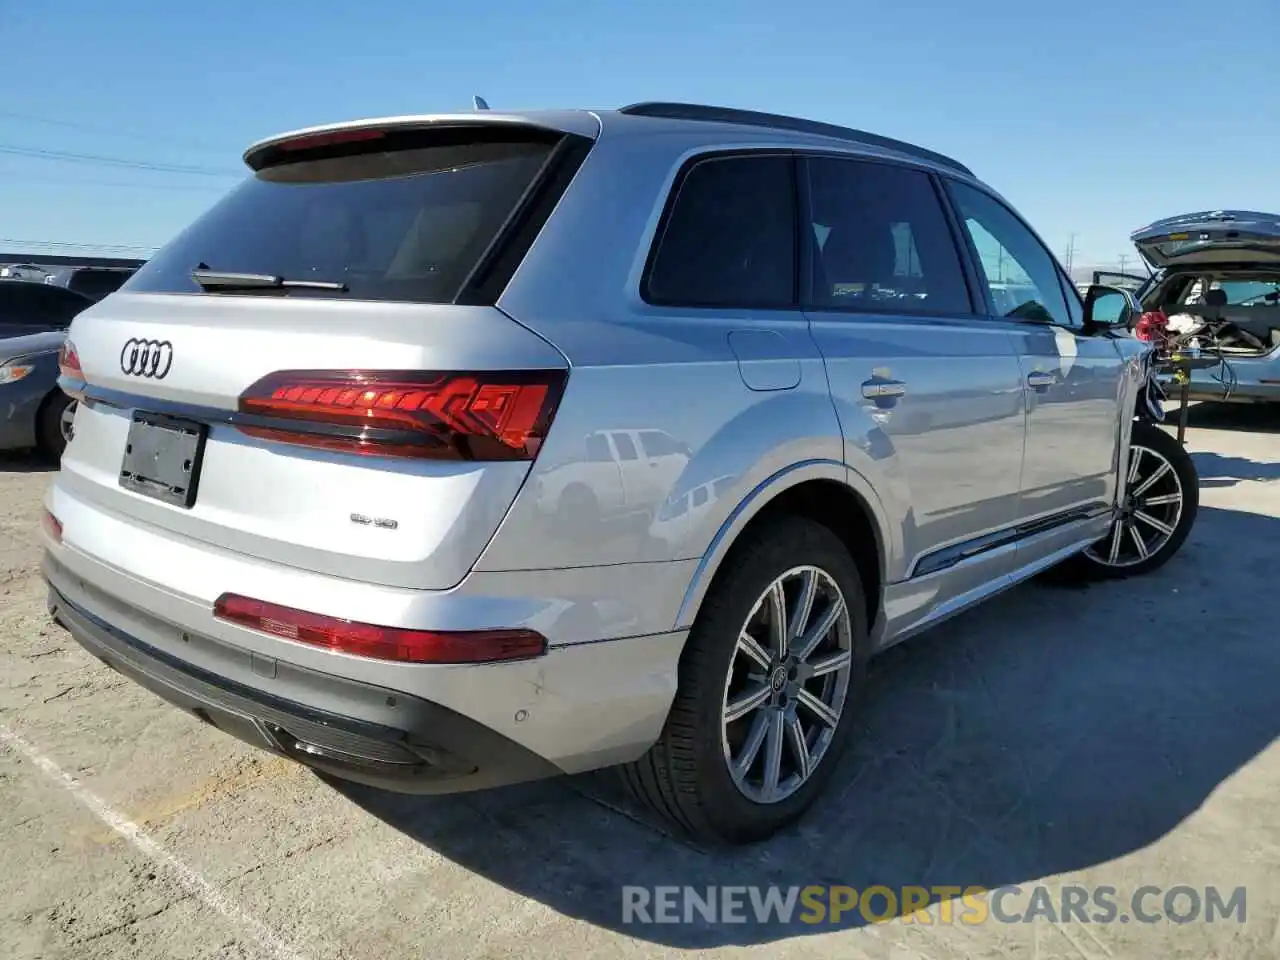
pixel 147 358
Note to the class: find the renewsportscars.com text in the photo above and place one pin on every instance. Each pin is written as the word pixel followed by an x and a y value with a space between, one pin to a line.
pixel 816 904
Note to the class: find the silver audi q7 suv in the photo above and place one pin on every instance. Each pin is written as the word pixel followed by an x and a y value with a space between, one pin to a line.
pixel 453 451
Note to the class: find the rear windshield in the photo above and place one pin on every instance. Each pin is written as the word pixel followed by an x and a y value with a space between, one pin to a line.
pixel 408 223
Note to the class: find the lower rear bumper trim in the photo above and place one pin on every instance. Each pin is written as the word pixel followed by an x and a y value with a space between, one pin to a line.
pixel 433 750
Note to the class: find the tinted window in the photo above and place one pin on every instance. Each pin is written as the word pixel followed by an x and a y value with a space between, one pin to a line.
pixel 28 303
pixel 1251 293
pixel 730 237
pixel 96 284
pixel 882 240
pixel 392 224
pixel 598 448
pixel 1020 273
pixel 658 444
pixel 626 449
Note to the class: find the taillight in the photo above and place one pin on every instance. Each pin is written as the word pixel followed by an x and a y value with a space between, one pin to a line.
pixel 329 139
pixel 52 526
pixel 454 416
pixel 71 377
pixel 380 643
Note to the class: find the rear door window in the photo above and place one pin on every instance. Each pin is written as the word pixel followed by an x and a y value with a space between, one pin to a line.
pixel 405 219
pixel 881 241
pixel 626 449
pixel 730 237
pixel 656 443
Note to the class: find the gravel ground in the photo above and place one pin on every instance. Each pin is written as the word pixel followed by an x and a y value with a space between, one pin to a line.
pixel 1120 735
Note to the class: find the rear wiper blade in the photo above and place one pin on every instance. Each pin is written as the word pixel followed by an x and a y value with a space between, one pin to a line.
pixel 220 280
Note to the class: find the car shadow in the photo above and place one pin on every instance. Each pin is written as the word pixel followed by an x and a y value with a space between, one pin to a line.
pixel 1041 734
pixel 1215 470
pixel 24 462
pixel 1241 417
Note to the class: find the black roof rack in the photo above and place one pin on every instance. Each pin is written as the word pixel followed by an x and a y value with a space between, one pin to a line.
pixel 753 118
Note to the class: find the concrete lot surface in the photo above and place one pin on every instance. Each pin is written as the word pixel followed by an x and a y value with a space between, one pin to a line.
pixel 1119 735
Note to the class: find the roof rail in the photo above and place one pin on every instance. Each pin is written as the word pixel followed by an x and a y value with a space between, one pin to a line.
pixel 753 118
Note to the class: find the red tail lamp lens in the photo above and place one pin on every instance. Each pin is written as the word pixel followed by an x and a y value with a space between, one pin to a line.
pixel 467 416
pixel 70 376
pixel 52 526
pixel 330 139
pixel 69 360
pixel 379 643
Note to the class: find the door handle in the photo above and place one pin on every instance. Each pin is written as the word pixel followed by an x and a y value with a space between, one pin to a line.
pixel 876 389
pixel 1040 382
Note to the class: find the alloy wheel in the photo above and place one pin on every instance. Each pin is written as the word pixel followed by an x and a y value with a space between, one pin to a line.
pixel 787 684
pixel 1149 513
pixel 66 422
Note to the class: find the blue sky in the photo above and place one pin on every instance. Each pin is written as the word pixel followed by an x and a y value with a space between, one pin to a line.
pixel 1092 117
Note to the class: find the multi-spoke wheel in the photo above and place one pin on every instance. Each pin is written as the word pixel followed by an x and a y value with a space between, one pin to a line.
pixel 1156 511
pixel 769 678
pixel 786 687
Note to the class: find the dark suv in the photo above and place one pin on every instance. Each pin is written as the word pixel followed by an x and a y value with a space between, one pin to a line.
pixel 94 282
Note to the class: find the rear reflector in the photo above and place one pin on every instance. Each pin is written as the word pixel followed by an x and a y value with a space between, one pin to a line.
pixel 379 643
pixel 450 416
pixel 52 526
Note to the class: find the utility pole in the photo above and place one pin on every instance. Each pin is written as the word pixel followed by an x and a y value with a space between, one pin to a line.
pixel 1124 258
pixel 1071 254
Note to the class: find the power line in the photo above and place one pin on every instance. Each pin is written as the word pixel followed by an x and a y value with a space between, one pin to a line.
pixel 37 153
pixel 64 244
pixel 108 131
pixel 8 175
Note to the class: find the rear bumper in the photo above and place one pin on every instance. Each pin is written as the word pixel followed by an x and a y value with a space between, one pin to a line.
pixel 352 730
pixel 141 597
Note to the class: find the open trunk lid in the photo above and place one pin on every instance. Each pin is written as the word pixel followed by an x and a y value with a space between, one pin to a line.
pixel 297 378
pixel 1211 238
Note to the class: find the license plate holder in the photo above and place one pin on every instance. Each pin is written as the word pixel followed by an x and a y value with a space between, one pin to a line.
pixel 162 457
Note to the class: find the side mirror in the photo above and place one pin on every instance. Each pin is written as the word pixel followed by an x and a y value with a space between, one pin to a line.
pixel 1109 308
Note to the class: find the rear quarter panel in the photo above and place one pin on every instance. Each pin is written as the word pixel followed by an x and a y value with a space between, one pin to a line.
pixel 636 366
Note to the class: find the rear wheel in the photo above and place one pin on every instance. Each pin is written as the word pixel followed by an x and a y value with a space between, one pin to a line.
pixel 54 425
pixel 769 680
pixel 1161 499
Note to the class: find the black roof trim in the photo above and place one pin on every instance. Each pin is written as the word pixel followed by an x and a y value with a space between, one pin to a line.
pixel 753 118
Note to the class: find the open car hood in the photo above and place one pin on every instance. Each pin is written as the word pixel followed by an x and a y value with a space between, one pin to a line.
pixel 1243 237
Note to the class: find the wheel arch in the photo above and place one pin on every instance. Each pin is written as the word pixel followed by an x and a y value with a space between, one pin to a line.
pixel 824 490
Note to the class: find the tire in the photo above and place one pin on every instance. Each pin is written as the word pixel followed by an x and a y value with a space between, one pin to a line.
pixel 577 508
pixel 686 776
pixel 1155 450
pixel 50 437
